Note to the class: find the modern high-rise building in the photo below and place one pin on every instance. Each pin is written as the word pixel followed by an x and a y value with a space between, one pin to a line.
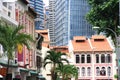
pixel 46 17
pixel 52 21
pixel 70 20
pixel 38 6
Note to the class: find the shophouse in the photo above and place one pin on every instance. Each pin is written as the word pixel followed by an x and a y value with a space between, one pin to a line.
pixel 7 15
pixel 94 57
pixel 26 60
pixel 44 47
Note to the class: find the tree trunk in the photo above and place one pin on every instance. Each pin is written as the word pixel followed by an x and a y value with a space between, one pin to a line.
pixel 7 70
pixel 63 76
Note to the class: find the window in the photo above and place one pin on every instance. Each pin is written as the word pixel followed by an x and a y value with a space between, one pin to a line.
pixel 9 14
pixel 103 71
pixel 97 58
pixel 108 58
pixel 83 59
pixel 78 71
pixel 97 71
pixel 88 59
pixel 83 71
pixel 109 71
pixel 102 58
pixel 88 71
pixel 77 58
pixel 10 7
pixel 5 4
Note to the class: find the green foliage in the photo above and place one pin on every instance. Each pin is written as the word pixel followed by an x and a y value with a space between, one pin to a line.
pixel 10 37
pixel 115 76
pixel 104 14
pixel 54 58
pixel 67 71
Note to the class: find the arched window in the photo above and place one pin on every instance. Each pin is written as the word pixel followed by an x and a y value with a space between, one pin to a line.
pixel 103 71
pixel 97 58
pixel 88 58
pixel 108 58
pixel 83 59
pixel 88 71
pixel 97 71
pixel 102 58
pixel 109 71
pixel 78 71
pixel 83 71
pixel 77 59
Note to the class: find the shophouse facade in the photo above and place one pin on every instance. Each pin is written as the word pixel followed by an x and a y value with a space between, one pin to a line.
pixel 25 16
pixel 94 57
pixel 7 15
pixel 44 73
pixel 24 64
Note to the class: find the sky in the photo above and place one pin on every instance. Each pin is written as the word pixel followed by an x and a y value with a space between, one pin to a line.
pixel 46 2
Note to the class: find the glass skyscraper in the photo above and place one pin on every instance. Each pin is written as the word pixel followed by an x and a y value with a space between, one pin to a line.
pixel 38 6
pixel 70 20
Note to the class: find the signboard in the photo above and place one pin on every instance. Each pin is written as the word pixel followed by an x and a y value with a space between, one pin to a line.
pixel 20 52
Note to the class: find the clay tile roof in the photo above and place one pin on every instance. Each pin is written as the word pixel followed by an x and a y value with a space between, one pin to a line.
pixel 79 38
pixel 63 49
pixel 45 35
pixel 98 37
pixel 42 31
pixel 100 45
pixel 81 46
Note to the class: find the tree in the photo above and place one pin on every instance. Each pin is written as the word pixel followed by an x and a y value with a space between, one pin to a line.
pixel 67 72
pixel 54 58
pixel 10 37
pixel 104 14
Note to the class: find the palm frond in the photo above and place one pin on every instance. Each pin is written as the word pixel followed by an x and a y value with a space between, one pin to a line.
pixel 47 63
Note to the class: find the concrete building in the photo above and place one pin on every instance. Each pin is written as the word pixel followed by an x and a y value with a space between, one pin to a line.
pixel 94 57
pixel 70 20
pixel 24 64
pixel 7 12
pixel 44 48
pixel 7 15
pixel 46 17
pixel 52 22
pixel 25 16
pixel 37 5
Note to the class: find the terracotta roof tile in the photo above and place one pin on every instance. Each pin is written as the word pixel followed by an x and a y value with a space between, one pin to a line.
pixel 63 49
pixel 98 37
pixel 81 46
pixel 42 31
pixel 96 43
pixel 45 35
pixel 79 38
pixel 100 45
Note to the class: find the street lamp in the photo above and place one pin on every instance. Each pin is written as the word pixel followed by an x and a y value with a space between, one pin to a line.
pixel 116 46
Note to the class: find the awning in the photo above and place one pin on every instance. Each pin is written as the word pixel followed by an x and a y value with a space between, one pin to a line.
pixel 10 65
pixel 33 73
pixel 24 70
pixel 41 77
